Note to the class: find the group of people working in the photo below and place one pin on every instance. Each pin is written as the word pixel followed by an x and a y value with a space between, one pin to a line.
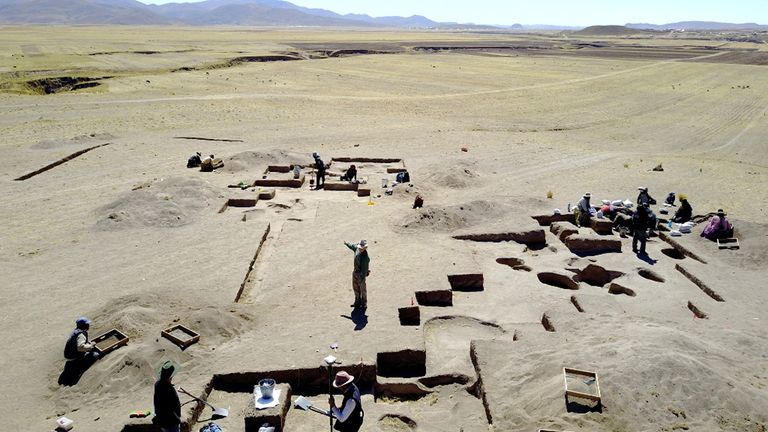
pixel 320 169
pixel 643 221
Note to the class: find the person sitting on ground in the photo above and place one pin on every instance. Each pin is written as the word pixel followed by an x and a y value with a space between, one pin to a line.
pixel 349 418
pixel 640 224
pixel 207 164
pixel 320 166
pixel 350 175
pixel 194 161
pixel 167 404
pixel 418 202
pixel 684 213
pixel 79 348
pixel 583 211
pixel 670 199
pixel 719 227
pixel 644 198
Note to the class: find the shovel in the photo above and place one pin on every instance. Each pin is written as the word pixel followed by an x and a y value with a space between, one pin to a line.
pixel 218 413
pixel 304 404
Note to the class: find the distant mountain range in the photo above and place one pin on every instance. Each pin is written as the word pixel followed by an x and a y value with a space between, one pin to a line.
pixel 210 12
pixel 699 25
pixel 254 13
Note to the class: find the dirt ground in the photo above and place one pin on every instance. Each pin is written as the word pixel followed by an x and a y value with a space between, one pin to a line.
pixel 128 236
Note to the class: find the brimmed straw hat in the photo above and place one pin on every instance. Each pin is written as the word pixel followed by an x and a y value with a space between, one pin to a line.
pixel 342 379
pixel 587 195
pixel 363 243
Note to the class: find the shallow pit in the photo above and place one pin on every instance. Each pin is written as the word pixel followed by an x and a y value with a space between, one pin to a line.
pixel 673 253
pixel 514 263
pixel 558 280
pixel 396 423
pixel 651 275
pixel 617 289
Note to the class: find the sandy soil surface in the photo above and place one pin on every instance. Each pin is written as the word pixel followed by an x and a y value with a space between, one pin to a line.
pixel 128 236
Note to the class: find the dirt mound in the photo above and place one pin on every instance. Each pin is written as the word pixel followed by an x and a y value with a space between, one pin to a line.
pixel 258 160
pixel 164 203
pixel 142 318
pixel 458 175
pixel 449 218
pixel 78 140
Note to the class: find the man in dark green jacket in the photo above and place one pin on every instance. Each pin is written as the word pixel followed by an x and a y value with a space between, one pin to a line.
pixel 360 272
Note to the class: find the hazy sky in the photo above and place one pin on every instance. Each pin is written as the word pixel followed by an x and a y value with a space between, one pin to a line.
pixel 562 12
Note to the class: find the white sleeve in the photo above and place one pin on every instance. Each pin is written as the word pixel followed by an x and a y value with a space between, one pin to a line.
pixel 344 414
pixel 82 346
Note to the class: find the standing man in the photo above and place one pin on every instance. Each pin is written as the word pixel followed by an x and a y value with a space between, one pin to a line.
pixel 167 404
pixel 320 166
pixel 79 350
pixel 350 417
pixel 360 272
pixel 640 222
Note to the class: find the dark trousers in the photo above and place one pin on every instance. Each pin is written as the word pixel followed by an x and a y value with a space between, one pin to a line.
pixel 320 179
pixel 640 236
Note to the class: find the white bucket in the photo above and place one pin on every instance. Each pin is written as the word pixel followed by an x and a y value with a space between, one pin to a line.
pixel 266 386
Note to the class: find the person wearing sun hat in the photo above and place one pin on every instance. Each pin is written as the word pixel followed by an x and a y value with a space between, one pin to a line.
pixel 349 418
pixel 167 404
pixel 360 272
pixel 583 210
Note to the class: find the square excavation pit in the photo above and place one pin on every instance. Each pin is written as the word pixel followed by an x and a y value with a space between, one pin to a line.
pixel 581 384
pixel 466 282
pixel 110 341
pixel 181 336
pixel 281 180
pixel 409 316
pixel 363 192
pixel 438 298
pixel 340 186
pixel 242 202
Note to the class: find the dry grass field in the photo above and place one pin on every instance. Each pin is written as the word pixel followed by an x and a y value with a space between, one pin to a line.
pixel 128 236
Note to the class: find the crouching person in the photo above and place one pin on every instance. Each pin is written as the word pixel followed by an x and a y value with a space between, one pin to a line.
pixel 349 417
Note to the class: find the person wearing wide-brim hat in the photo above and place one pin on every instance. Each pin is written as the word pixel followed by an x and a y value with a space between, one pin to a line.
pixel 360 272
pixel 349 418
pixel 583 210
pixel 167 403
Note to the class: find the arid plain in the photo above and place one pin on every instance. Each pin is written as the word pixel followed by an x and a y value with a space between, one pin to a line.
pixel 486 123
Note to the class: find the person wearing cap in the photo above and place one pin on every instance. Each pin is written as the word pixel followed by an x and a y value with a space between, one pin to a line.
pixel 584 211
pixel 644 198
pixel 78 347
pixel 320 166
pixel 719 227
pixel 349 418
pixel 167 404
pixel 360 272
pixel 640 224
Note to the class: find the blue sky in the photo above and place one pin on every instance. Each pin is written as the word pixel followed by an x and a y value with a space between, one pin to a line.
pixel 561 12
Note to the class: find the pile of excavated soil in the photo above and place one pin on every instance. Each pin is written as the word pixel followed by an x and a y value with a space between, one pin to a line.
pixel 165 203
